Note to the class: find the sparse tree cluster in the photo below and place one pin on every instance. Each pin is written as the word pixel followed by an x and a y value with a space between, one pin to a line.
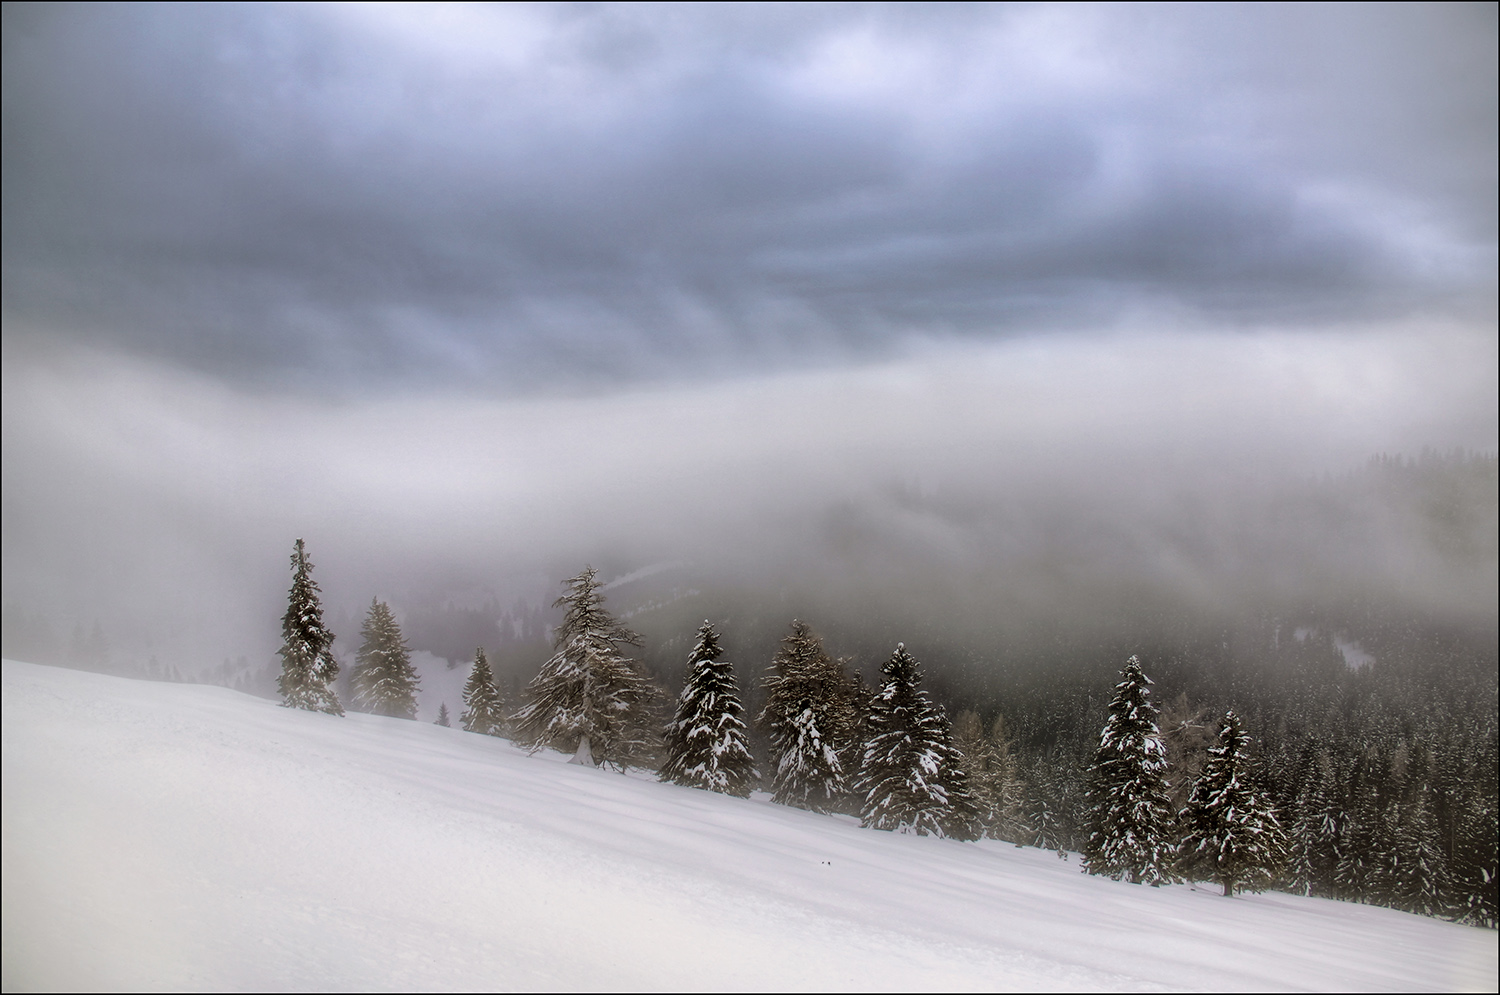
pixel 1359 807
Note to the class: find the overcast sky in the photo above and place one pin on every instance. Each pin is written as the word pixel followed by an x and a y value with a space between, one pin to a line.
pixel 604 279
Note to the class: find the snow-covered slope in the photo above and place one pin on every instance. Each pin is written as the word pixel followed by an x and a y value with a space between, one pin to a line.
pixel 175 836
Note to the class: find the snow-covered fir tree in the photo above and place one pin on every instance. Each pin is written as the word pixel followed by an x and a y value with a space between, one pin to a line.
pixel 706 741
pixel 1420 878
pixel 484 708
pixel 1358 853
pixel 589 697
pixel 911 776
pixel 1232 834
pixel 1313 838
pixel 308 668
pixel 385 682
pixel 809 773
pixel 814 721
pixel 1131 823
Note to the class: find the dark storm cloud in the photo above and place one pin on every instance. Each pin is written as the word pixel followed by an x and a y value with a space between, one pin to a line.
pixel 539 195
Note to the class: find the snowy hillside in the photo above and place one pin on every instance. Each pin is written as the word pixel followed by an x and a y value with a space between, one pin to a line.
pixel 169 836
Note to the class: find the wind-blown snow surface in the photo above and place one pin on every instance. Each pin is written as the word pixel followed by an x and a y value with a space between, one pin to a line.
pixel 173 836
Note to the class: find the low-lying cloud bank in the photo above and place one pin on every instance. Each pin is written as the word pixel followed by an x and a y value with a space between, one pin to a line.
pixel 1028 482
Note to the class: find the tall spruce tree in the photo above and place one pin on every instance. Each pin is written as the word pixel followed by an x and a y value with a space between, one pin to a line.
pixel 1233 836
pixel 911 776
pixel 1357 870
pixel 1420 878
pixel 813 719
pixel 385 682
pixel 308 668
pixel 809 773
pixel 484 708
pixel 1312 847
pixel 706 742
pixel 1131 825
pixel 588 697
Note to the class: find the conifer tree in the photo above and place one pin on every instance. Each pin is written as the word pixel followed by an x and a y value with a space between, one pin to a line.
pixel 1381 880
pixel 1130 834
pixel 812 718
pixel 911 776
pixel 1357 867
pixel 588 697
pixel 809 773
pixel 308 668
pixel 1050 807
pixel 706 742
pixel 1420 877
pixel 1313 840
pixel 442 719
pixel 1233 836
pixel 385 682
pixel 484 708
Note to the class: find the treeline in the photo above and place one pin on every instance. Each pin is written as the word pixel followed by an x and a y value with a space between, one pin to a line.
pixel 30 636
pixel 1374 782
pixel 1384 774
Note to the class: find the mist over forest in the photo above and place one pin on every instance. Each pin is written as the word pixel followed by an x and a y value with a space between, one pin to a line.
pixel 995 504
pixel 994 588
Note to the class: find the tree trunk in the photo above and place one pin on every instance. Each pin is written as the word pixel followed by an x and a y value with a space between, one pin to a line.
pixel 583 755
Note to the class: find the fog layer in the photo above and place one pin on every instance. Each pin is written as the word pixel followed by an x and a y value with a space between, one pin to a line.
pixel 1031 482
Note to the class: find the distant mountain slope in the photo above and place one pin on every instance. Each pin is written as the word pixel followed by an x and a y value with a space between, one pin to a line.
pixel 177 836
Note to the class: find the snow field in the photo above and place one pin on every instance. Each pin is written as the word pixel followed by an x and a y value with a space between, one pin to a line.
pixel 177 836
